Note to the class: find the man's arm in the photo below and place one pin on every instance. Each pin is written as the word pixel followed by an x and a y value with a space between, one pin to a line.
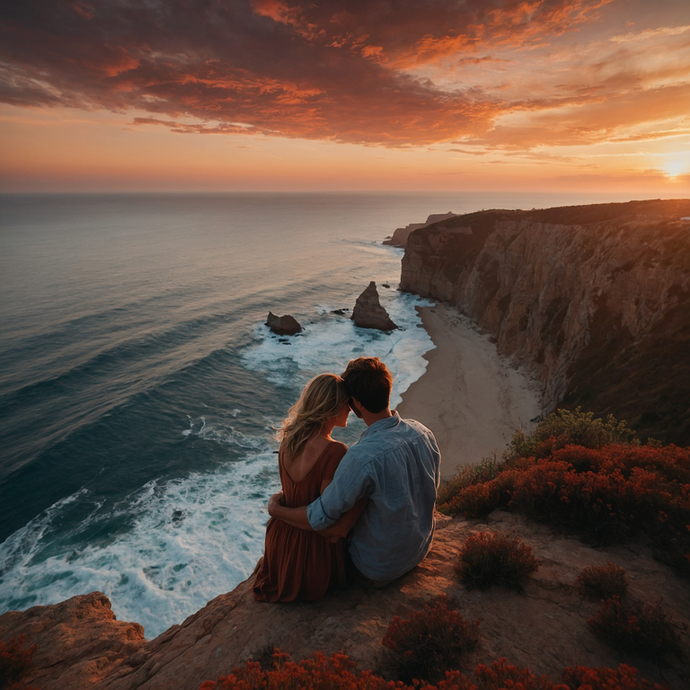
pixel 297 517
pixel 346 522
pixel 350 483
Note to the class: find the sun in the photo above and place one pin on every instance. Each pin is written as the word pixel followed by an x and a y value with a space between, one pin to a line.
pixel 679 165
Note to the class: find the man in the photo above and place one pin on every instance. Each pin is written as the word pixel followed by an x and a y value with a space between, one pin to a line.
pixel 395 465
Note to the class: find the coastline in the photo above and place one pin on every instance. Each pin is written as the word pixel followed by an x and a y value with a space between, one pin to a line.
pixel 470 397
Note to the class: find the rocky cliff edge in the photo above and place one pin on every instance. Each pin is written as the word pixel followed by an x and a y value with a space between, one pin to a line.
pixel 81 645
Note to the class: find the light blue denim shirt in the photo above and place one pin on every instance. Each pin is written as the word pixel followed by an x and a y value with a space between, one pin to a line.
pixel 396 465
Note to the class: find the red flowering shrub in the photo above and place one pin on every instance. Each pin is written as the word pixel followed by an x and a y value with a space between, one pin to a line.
pixel 606 494
pixel 316 673
pixel 14 661
pixel 429 642
pixel 603 581
pixel 476 500
pixel 499 675
pixel 622 678
pixel 470 475
pixel 338 673
pixel 488 559
pixel 635 627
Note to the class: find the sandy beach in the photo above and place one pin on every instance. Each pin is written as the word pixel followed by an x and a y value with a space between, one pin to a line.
pixel 470 397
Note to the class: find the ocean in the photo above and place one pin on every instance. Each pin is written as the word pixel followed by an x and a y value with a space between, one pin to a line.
pixel 140 390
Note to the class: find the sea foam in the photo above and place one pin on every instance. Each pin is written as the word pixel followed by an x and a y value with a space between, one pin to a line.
pixel 188 541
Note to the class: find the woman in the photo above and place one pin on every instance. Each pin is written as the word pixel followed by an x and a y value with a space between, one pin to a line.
pixel 298 564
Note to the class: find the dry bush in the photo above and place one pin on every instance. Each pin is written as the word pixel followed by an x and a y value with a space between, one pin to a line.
pixel 636 627
pixel 429 642
pixel 621 678
pixel 603 582
pixel 488 559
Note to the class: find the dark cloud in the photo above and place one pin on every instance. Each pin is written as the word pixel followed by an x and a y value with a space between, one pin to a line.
pixel 326 70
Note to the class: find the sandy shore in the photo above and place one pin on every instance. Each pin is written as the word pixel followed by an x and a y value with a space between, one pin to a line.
pixel 470 397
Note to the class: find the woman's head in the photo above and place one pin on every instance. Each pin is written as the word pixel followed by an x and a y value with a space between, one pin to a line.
pixel 322 399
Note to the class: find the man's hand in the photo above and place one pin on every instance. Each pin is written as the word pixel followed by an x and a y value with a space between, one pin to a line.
pixel 297 517
pixel 275 502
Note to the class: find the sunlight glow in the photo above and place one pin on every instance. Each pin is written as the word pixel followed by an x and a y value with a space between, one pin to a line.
pixel 678 165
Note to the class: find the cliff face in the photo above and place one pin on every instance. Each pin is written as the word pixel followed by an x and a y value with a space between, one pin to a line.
pixel 593 300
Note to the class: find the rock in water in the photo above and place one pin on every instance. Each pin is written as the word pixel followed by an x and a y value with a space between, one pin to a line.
pixel 283 325
pixel 368 312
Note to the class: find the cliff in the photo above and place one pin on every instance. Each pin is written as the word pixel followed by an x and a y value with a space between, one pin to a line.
pixel 593 300
pixel 400 236
pixel 80 645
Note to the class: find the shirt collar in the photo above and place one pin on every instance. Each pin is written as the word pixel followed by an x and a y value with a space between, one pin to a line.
pixel 381 424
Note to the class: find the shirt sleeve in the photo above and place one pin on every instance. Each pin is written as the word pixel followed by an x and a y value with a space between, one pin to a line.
pixel 350 482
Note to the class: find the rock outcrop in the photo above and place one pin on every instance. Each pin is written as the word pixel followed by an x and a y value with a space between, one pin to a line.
pixel 368 312
pixel 283 325
pixel 400 235
pixel 79 643
pixel 593 300
pixel 544 629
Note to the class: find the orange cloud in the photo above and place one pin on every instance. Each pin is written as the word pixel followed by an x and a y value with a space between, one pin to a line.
pixel 499 73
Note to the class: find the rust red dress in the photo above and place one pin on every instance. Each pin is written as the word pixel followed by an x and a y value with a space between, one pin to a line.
pixel 299 564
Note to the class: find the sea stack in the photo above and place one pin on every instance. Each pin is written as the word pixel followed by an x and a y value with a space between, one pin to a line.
pixel 368 312
pixel 283 325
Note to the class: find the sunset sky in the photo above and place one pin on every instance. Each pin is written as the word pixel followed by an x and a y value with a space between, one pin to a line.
pixel 223 95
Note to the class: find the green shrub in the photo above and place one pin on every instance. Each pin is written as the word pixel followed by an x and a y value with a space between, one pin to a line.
pixel 565 427
pixel 491 559
pixel 603 582
pixel 429 642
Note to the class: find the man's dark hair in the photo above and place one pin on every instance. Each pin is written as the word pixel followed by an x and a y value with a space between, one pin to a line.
pixel 368 381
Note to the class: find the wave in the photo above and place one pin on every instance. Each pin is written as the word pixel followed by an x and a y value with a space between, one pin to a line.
pixel 181 543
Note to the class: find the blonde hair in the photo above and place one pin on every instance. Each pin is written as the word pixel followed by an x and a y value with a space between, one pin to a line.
pixel 322 398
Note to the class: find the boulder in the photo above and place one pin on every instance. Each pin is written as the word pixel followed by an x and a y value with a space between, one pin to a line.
pixel 283 325
pixel 368 312
pixel 79 642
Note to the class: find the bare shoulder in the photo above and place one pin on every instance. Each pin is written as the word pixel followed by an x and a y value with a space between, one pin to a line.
pixel 337 448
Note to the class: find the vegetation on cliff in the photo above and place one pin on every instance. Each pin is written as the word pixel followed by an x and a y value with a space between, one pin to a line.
pixel 588 476
pixel 339 673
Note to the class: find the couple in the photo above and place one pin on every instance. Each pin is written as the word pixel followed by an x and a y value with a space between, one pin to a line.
pixel 380 493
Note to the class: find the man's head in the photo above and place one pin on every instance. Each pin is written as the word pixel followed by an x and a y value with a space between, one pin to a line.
pixel 369 382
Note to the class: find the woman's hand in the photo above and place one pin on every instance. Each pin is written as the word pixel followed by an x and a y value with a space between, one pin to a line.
pixel 274 502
